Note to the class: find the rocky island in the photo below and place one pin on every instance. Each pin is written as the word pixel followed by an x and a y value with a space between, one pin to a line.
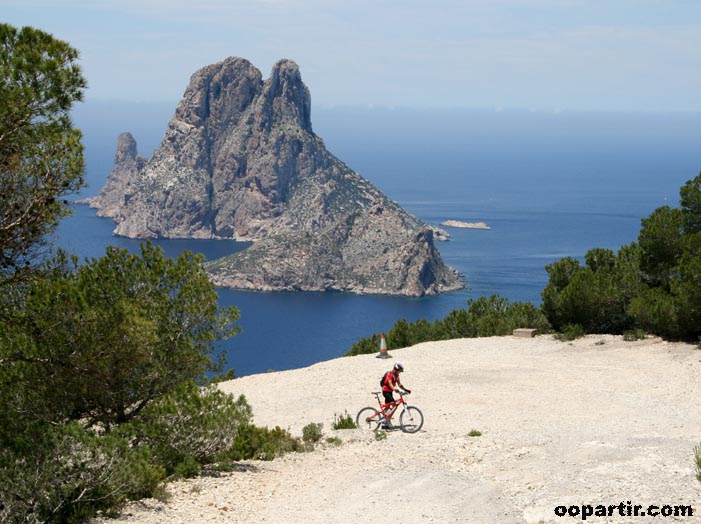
pixel 239 160
pixel 465 225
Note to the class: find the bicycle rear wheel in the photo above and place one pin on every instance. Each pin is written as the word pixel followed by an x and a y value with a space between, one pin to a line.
pixel 411 419
pixel 368 418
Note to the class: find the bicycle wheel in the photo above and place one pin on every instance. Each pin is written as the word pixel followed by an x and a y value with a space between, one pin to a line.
pixel 411 419
pixel 368 418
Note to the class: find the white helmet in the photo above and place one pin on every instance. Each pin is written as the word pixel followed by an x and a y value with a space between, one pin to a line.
pixel 398 367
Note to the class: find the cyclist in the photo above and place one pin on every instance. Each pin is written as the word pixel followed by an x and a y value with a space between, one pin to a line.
pixel 390 381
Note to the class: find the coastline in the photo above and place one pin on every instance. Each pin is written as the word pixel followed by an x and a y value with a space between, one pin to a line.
pixel 597 420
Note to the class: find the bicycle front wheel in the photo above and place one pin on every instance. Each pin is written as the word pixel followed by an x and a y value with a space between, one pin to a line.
pixel 368 418
pixel 411 419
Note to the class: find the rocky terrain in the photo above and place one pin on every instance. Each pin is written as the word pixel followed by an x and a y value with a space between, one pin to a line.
pixel 514 429
pixel 239 160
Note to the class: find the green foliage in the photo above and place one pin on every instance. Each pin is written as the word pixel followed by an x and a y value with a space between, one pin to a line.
pixel 41 156
pixel 697 460
pixel 365 346
pixel 253 442
pixel 686 289
pixel 66 473
pixel 570 332
pixel 595 296
pixel 312 432
pixel 496 316
pixel 690 202
pixel 653 285
pixel 187 467
pixel 654 311
pixel 344 421
pixel 484 317
pixel 99 369
pixel 661 245
pixel 223 377
pixel 474 433
pixel 634 334
pixel 190 426
pixel 115 335
pixel 99 363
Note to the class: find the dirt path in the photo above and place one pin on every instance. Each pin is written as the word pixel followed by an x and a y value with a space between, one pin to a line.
pixel 595 422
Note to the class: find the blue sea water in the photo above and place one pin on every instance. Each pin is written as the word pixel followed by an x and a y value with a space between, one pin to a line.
pixel 549 185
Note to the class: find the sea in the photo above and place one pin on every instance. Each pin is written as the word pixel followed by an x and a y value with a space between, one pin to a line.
pixel 550 184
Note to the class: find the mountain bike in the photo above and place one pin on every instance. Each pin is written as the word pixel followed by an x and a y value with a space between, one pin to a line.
pixel 410 419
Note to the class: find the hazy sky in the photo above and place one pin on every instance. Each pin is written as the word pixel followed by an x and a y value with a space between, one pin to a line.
pixel 639 55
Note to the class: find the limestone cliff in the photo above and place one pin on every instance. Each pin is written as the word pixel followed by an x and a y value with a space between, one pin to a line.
pixel 240 160
pixel 120 185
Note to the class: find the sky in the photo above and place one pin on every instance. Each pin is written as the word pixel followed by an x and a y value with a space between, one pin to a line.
pixel 542 55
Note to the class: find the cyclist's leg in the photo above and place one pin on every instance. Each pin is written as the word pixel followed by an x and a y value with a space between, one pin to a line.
pixel 389 402
pixel 388 408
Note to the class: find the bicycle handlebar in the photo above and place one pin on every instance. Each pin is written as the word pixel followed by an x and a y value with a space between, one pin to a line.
pixel 396 391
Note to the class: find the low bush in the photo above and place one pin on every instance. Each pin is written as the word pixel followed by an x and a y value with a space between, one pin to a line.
pixel 634 334
pixel 253 442
pixel 343 421
pixel 81 472
pixel 312 432
pixel 484 317
pixel 570 332
pixel 190 427
pixel 380 435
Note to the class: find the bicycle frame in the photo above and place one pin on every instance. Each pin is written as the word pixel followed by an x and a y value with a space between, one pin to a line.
pixel 390 408
pixel 410 419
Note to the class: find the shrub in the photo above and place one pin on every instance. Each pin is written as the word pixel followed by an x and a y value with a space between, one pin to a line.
pixel 484 317
pixel 312 432
pixel 474 433
pixel 634 334
pixel 188 467
pixel 571 332
pixel 654 311
pixel 343 422
pixel 365 346
pixel 223 377
pixel 380 435
pixel 654 284
pixel 697 459
pixel 253 442
pixel 81 472
pixel 191 425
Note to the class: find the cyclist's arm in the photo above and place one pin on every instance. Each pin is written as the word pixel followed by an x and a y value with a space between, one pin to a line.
pixel 399 383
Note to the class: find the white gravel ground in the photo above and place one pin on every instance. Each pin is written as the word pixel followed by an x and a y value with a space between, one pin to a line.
pixel 598 422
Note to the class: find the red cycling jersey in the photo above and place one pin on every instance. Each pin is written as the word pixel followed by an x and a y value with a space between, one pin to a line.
pixel 389 381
